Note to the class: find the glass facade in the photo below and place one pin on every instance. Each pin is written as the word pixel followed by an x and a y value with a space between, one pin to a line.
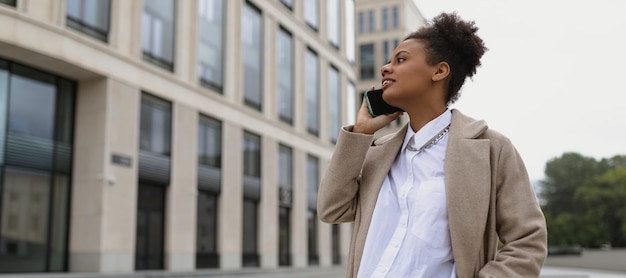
pixel 284 75
pixel 396 18
pixel 371 21
pixel 251 198
pixel 336 241
pixel 210 43
pixel 36 145
pixel 361 22
pixel 312 182
pixel 209 187
pixel 89 17
pixel 158 32
pixel 8 2
pixel 155 125
pixel 252 56
pixel 385 18
pixel 312 91
pixel 333 22
pixel 285 193
pixel 334 103
pixel 367 61
pixel 311 13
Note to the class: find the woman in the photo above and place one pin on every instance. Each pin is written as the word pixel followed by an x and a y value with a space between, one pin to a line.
pixel 433 199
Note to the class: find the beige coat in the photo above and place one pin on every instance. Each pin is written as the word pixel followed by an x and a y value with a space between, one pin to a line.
pixel 489 196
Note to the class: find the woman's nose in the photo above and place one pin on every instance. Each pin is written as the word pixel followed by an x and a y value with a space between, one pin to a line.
pixel 386 68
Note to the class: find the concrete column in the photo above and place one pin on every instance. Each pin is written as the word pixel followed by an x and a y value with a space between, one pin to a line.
pixel 299 224
pixel 126 40
pixel 90 157
pixel 51 11
pixel 269 97
pixel 104 190
pixel 231 200
pixel 121 195
pixel 180 215
pixel 268 207
pixel 299 95
pixel 324 230
pixel 185 65
pixel 232 51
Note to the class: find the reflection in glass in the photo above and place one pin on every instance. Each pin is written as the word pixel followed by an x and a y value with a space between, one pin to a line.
pixel 251 43
pixel 24 228
pixel 210 142
pixel 155 125
pixel 333 22
pixel 157 33
pixel 32 87
pixel 311 13
pixel 312 88
pixel 210 52
pixel 206 233
pixel 251 155
pixel 334 102
pixel 284 76
pixel 89 17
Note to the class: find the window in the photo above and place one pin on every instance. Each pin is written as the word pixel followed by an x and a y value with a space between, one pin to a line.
pixel 395 43
pixel 251 155
pixel 336 241
pixel 361 22
pixel 209 183
pixel 206 230
pixel 210 43
pixel 89 17
pixel 367 60
pixel 252 50
pixel 210 142
pixel 312 89
pixel 372 21
pixel 312 182
pixel 251 198
pixel 333 25
pixel 385 52
pixel 285 189
pixel 311 13
pixel 396 19
pixel 284 76
pixel 157 34
pixel 155 125
pixel 334 103
pixel 8 2
pixel 385 15
pixel 287 3
pixel 350 32
pixel 351 106
pixel 36 147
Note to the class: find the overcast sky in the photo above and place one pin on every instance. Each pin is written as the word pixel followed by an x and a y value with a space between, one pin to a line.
pixel 554 77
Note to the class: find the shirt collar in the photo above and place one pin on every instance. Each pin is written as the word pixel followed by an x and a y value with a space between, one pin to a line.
pixel 427 132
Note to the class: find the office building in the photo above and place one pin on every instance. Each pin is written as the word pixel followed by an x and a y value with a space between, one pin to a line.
pixel 171 135
pixel 380 27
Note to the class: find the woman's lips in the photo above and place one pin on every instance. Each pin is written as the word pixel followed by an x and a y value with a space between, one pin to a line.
pixel 386 83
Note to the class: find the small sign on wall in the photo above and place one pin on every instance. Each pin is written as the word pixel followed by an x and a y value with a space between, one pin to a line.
pixel 123 160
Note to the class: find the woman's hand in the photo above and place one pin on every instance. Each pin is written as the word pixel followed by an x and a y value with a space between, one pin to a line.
pixel 367 124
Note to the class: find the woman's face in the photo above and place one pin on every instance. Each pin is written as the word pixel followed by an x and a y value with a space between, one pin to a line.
pixel 407 77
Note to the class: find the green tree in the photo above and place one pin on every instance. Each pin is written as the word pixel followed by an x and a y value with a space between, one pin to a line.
pixel 605 201
pixel 564 175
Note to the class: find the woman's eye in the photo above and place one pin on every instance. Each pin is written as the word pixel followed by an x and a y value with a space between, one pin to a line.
pixel 400 60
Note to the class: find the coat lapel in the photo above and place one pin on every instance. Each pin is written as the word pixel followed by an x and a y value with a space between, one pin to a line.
pixel 468 186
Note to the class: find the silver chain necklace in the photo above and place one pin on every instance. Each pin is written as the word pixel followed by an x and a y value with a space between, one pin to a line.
pixel 432 141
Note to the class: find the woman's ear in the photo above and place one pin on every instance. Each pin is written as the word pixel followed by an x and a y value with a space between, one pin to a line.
pixel 442 71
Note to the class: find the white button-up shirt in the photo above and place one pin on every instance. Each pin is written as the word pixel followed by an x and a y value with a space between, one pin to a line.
pixel 409 234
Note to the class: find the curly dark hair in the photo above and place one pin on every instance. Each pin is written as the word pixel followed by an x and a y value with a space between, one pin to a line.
pixel 448 38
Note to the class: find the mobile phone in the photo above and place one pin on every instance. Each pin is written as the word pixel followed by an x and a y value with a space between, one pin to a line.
pixel 377 105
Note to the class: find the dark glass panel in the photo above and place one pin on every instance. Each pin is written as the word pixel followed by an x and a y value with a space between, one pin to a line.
pixel 90 17
pixel 155 125
pixel 30 88
pixel 24 227
pixel 206 233
pixel 312 237
pixel 284 237
pixel 250 256
pixel 150 225
pixel 210 142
